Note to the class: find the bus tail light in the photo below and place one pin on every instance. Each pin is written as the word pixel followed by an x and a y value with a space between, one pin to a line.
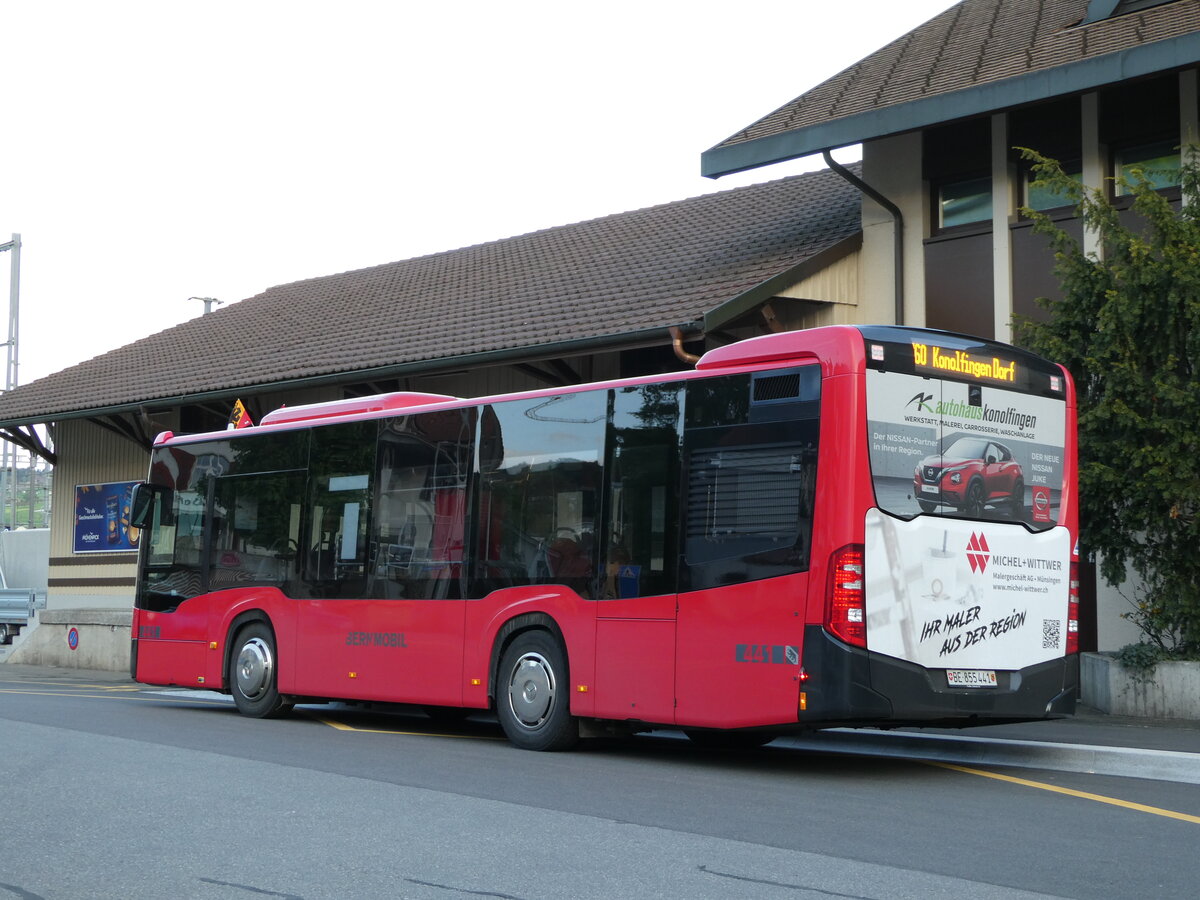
pixel 1073 611
pixel 845 610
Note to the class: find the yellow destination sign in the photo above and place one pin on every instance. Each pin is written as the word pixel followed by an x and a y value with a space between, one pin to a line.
pixel 960 362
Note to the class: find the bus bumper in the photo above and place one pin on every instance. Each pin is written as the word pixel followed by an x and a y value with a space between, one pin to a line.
pixel 848 685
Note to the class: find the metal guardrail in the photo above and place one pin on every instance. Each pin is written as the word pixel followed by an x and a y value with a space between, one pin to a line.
pixel 16 606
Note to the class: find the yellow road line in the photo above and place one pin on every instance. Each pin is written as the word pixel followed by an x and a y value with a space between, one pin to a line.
pixel 342 726
pixel 67 686
pixel 1099 798
pixel 105 696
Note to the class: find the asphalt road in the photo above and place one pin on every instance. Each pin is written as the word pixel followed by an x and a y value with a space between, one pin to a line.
pixel 118 790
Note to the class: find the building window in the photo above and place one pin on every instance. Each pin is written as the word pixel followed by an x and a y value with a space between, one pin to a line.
pixel 1157 162
pixel 1042 197
pixel 964 202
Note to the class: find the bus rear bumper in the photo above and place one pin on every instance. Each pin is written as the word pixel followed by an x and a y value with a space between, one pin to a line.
pixel 848 685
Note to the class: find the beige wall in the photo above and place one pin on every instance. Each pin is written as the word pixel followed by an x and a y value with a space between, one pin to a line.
pixel 831 296
pixel 89 454
pixel 893 167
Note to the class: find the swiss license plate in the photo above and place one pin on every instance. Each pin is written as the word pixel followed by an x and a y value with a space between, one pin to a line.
pixel 930 488
pixel 971 678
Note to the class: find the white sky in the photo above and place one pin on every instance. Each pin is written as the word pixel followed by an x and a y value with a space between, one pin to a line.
pixel 154 151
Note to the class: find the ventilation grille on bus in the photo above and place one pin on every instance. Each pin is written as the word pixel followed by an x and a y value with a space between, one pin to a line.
pixel 777 387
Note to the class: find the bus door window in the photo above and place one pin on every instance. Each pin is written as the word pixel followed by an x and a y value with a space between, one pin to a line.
pixel 337 538
pixel 540 492
pixel 424 465
pixel 642 528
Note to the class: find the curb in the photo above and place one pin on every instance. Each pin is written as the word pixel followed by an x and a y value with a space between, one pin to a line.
pixel 1123 762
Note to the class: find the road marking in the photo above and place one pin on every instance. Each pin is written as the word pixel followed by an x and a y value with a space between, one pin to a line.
pixel 123 695
pixel 186 695
pixel 1099 798
pixel 107 688
pixel 342 726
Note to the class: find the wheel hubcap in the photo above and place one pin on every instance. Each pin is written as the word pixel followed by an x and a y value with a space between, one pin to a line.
pixel 531 690
pixel 254 667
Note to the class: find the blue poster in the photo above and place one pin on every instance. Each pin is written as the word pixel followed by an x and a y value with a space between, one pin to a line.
pixel 102 518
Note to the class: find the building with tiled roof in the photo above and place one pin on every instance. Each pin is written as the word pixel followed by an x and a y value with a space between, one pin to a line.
pixel 602 286
pixel 1107 87
pixel 926 232
pixel 620 295
pixel 976 58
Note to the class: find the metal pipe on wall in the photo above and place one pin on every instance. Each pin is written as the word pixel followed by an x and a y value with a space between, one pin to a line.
pixel 897 217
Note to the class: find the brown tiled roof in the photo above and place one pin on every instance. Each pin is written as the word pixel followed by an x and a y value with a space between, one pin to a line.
pixel 596 280
pixel 976 45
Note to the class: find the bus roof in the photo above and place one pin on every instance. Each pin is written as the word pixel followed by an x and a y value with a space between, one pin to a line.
pixel 841 350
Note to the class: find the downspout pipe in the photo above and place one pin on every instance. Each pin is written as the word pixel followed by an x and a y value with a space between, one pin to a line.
pixel 677 344
pixel 898 231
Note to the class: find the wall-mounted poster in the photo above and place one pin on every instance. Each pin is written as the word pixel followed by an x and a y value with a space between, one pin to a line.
pixel 102 518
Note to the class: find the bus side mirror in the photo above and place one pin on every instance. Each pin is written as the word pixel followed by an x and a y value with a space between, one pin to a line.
pixel 141 505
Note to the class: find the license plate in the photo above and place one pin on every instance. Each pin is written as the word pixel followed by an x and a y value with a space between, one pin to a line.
pixel 972 678
pixel 930 488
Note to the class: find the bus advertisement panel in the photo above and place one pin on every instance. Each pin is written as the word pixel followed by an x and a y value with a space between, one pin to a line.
pixel 967 441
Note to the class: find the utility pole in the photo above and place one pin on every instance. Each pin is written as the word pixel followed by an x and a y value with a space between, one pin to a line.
pixel 9 499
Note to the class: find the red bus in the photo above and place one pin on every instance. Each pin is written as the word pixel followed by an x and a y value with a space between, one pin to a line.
pixel 841 526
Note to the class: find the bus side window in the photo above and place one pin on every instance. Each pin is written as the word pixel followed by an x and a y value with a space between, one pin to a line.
pixel 751 484
pixel 540 492
pixel 256 527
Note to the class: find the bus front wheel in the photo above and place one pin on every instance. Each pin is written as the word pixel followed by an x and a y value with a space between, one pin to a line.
pixel 253 673
pixel 532 702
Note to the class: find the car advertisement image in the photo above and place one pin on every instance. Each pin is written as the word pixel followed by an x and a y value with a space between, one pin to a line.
pixel 955 448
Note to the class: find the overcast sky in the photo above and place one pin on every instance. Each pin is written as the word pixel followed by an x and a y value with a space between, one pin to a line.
pixel 155 151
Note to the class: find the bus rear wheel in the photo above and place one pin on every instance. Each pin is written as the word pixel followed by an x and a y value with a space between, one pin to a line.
pixel 253 673
pixel 532 702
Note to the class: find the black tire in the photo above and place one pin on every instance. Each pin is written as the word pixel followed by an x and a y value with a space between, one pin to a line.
pixel 533 702
pixel 973 502
pixel 1017 501
pixel 253 673
pixel 730 740
pixel 927 505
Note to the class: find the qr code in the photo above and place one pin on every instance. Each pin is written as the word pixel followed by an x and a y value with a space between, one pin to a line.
pixel 1050 633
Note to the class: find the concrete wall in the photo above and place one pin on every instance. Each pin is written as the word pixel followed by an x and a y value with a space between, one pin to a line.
pixel 1112 631
pixel 100 640
pixel 1171 691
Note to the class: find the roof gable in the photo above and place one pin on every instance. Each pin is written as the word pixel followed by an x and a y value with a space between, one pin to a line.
pixel 977 57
